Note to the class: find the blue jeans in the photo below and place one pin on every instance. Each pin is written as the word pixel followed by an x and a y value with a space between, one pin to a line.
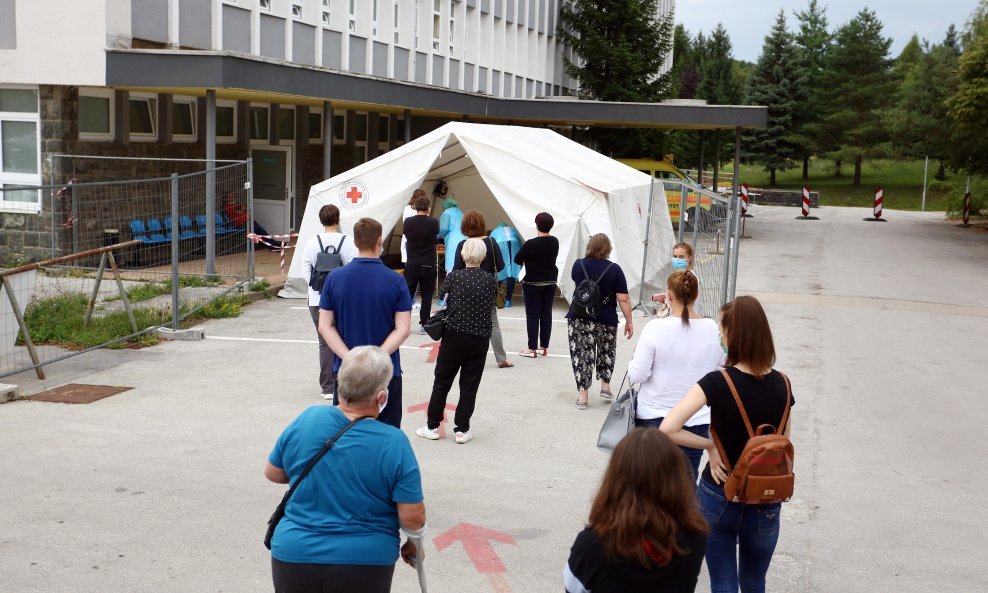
pixel 692 455
pixel 741 541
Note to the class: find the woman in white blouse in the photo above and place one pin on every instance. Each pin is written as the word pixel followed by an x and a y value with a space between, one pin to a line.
pixel 672 355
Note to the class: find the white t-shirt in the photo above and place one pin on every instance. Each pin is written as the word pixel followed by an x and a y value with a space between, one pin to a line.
pixel 348 251
pixel 407 213
pixel 669 359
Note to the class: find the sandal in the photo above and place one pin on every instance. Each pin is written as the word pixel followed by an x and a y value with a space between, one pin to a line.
pixel 528 354
pixel 504 364
pixel 581 405
pixel 543 351
pixel 606 394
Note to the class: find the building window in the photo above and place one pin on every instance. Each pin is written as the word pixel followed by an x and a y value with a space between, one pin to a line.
pixel 383 129
pixel 353 15
pixel 20 148
pixel 265 5
pixel 286 123
pixel 339 128
pixel 143 117
pixel 297 9
pixel 258 123
pixel 95 114
pixel 452 27
pixel 360 127
pixel 184 119
pixel 226 122
pixel 315 127
pixel 396 28
pixel 374 17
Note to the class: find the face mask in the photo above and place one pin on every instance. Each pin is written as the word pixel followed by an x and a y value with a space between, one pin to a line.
pixel 381 406
pixel 679 263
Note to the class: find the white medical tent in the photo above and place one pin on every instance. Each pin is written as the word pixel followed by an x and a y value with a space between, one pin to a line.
pixel 510 174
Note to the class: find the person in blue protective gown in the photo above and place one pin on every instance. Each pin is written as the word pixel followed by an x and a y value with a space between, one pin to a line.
pixel 509 241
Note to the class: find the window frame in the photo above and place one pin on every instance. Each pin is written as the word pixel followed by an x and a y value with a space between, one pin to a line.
pixel 315 140
pixel 236 121
pixel 250 123
pixel 193 104
pixel 98 94
pixel 147 98
pixel 22 179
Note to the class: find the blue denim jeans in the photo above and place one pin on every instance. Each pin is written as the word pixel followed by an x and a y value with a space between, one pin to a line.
pixel 741 541
pixel 692 455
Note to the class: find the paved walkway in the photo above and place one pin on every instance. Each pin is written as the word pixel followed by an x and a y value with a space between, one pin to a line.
pixel 881 327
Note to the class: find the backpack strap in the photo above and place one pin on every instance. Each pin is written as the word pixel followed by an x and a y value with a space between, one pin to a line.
pixel 340 246
pixel 737 398
pixel 321 248
pixel 785 414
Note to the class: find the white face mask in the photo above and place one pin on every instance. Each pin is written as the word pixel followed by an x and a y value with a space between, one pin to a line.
pixel 384 404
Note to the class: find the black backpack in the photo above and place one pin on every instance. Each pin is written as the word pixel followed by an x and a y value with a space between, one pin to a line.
pixel 587 302
pixel 326 262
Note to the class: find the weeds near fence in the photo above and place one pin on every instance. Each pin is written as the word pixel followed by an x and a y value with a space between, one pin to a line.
pixel 58 321
pixel 223 307
pixel 260 285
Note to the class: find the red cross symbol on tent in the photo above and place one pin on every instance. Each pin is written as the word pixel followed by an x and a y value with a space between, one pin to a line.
pixel 353 194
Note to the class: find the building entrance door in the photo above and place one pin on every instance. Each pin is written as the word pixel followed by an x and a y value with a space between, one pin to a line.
pixel 273 191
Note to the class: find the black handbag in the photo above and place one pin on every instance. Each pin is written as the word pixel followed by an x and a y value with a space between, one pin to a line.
pixel 280 511
pixel 436 325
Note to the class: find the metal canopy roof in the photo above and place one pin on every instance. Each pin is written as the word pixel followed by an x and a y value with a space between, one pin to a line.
pixel 238 76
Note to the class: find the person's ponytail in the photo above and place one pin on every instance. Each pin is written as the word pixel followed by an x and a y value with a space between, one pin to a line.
pixel 685 286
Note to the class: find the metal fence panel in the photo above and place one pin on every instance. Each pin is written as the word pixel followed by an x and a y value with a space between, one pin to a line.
pixel 127 256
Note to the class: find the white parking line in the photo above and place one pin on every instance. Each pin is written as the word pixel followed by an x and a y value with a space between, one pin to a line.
pixel 290 341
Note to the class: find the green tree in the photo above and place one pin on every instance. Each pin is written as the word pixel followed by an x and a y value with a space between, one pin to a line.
pixel 775 83
pixel 813 41
pixel 619 48
pixel 685 64
pixel 916 122
pixel 968 107
pixel 722 84
pixel 857 88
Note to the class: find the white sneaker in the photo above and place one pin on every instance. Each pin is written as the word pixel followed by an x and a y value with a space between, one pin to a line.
pixel 463 437
pixel 328 396
pixel 416 307
pixel 425 433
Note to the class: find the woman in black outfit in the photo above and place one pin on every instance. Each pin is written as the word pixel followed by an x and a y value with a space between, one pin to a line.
pixel 470 293
pixel 645 532
pixel 742 536
pixel 539 255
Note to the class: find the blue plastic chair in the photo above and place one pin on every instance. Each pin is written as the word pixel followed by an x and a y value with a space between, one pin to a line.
pixel 186 229
pixel 139 232
pixel 222 226
pixel 158 234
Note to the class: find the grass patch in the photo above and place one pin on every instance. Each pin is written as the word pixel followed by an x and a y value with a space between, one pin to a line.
pixel 901 180
pixel 259 286
pixel 59 321
pixel 223 307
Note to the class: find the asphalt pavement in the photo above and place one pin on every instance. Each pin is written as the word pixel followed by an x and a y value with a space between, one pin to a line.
pixel 881 327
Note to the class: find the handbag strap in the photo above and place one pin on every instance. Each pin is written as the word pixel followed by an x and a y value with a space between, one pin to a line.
pixel 312 463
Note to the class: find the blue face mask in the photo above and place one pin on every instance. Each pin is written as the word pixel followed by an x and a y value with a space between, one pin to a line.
pixel 679 263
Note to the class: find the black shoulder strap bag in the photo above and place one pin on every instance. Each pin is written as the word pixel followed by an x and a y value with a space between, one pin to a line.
pixel 280 511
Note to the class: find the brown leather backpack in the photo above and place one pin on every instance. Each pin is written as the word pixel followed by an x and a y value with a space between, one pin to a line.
pixel 763 473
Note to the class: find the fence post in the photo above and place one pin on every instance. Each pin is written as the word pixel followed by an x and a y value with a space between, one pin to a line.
pixel 74 217
pixel 250 214
pixel 211 182
pixel 696 216
pixel 52 177
pixel 682 209
pixel 15 306
pixel 737 213
pixel 175 255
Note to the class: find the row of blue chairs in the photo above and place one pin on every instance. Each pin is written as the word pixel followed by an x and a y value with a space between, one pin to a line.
pixel 156 232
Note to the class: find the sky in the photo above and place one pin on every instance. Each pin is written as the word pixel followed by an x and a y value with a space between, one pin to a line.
pixel 748 21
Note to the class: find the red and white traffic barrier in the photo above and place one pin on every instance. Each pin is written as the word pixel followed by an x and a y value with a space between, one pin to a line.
pixel 744 199
pixel 282 246
pixel 879 196
pixel 967 208
pixel 806 201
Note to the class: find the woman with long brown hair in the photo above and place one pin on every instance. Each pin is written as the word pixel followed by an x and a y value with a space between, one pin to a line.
pixel 645 532
pixel 742 536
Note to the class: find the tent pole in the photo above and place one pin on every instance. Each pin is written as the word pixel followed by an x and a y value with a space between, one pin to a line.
pixel 645 251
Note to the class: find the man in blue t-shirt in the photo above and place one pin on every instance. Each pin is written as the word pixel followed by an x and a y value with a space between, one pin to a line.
pixel 365 303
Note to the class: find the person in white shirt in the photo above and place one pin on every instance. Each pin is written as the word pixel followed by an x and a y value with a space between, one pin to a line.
pixel 672 355
pixel 331 238
pixel 407 213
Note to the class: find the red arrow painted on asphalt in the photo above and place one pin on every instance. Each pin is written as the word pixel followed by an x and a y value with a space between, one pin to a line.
pixel 425 406
pixel 476 542
pixel 433 353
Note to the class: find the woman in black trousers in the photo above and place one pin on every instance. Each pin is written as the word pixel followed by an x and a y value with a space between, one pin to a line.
pixel 469 295
pixel 539 255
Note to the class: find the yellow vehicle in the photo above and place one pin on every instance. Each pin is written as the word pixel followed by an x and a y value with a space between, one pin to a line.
pixel 666 171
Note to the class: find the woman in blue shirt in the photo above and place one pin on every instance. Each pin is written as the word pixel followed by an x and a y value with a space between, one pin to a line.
pixel 341 526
